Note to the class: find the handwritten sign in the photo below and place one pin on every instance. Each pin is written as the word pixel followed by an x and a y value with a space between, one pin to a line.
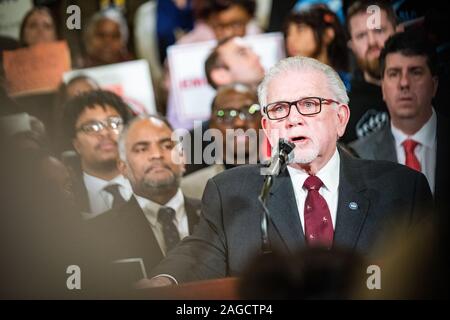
pixel 36 69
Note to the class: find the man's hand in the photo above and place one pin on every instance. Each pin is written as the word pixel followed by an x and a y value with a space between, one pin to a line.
pixel 158 281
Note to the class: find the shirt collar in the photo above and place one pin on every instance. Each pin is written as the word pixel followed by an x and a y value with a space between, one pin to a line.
pixel 151 208
pixel 426 136
pixel 329 174
pixel 96 184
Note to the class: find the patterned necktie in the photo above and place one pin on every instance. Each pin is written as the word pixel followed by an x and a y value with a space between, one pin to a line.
pixel 318 224
pixel 166 215
pixel 410 157
pixel 118 200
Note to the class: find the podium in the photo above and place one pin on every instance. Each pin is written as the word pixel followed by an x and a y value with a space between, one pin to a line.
pixel 218 289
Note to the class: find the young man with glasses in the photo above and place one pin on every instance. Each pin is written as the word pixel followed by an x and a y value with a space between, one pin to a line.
pixel 325 197
pixel 93 122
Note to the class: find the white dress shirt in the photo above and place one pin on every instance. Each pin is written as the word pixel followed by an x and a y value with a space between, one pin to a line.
pixel 151 209
pixel 329 175
pixel 101 200
pixel 425 151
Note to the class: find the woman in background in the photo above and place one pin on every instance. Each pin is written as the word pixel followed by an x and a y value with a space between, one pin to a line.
pixel 317 33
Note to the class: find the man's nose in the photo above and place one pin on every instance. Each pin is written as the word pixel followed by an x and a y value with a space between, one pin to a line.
pixel 371 38
pixel 155 152
pixel 295 117
pixel 404 81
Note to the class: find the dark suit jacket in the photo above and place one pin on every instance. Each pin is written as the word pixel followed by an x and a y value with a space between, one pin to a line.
pixel 125 233
pixel 381 146
pixel 229 234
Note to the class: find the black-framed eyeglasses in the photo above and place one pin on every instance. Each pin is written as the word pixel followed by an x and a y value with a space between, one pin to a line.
pixel 113 123
pixel 245 113
pixel 306 106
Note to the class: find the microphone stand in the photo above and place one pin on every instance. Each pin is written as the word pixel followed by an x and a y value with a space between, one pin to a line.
pixel 266 247
pixel 276 167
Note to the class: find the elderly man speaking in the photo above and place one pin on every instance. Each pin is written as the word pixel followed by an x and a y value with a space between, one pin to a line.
pixel 324 198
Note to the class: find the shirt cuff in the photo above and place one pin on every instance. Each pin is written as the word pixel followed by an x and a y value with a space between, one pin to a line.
pixel 166 276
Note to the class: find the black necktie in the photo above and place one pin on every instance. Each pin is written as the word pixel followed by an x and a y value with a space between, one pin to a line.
pixel 118 200
pixel 166 216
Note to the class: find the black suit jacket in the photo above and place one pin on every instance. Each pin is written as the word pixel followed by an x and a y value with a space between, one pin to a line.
pixel 125 233
pixel 381 146
pixel 228 234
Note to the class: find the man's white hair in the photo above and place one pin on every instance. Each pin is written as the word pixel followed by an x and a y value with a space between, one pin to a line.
pixel 301 65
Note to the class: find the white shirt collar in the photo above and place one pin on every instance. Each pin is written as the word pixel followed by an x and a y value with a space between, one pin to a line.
pixel 95 184
pixel 151 208
pixel 329 174
pixel 426 136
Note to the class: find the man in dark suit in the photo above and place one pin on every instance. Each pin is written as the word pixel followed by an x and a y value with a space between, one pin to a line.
pixel 324 198
pixel 417 135
pixel 137 235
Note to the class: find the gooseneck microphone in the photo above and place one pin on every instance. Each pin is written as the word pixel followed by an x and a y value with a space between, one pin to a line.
pixel 280 159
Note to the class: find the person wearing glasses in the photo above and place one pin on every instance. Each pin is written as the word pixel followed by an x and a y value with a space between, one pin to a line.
pixel 325 198
pixel 235 127
pixel 92 122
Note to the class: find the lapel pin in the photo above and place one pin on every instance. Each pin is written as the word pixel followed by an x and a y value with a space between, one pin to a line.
pixel 353 205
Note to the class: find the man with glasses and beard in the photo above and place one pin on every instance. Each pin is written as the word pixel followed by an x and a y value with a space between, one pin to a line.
pixel 367 38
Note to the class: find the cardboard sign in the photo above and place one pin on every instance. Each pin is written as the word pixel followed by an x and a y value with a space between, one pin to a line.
pixel 192 93
pixel 130 80
pixel 36 69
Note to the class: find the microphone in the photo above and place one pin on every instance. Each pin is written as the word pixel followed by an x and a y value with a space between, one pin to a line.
pixel 281 157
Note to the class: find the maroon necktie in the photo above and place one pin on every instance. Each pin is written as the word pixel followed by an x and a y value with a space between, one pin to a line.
pixel 318 224
pixel 410 157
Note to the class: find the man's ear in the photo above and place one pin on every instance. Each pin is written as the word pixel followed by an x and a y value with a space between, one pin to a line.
pixel 435 85
pixel 343 115
pixel 76 145
pixel 123 168
pixel 272 135
pixel 221 76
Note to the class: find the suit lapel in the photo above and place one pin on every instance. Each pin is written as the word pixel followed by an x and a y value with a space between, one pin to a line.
pixel 442 158
pixel 385 145
pixel 352 204
pixel 284 213
pixel 133 219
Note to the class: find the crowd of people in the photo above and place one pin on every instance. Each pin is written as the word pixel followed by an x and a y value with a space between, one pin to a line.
pixel 89 181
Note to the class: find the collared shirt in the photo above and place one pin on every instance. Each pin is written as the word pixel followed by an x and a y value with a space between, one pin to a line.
pixel 329 175
pixel 101 200
pixel 151 209
pixel 425 151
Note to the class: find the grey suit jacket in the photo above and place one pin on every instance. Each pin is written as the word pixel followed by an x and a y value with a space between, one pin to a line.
pixel 381 146
pixel 228 234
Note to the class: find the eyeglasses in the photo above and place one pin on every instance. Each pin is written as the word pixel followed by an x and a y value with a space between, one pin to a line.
pixel 113 123
pixel 306 106
pixel 228 116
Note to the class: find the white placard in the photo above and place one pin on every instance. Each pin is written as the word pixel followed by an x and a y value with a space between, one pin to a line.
pixel 11 15
pixel 192 93
pixel 131 80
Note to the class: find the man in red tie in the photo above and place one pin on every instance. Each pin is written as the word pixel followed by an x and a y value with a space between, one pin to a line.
pixel 325 198
pixel 417 135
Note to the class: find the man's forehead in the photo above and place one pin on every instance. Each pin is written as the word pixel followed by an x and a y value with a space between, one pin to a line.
pixel 362 20
pixel 97 112
pixel 150 129
pixel 398 59
pixel 296 84
pixel 234 99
